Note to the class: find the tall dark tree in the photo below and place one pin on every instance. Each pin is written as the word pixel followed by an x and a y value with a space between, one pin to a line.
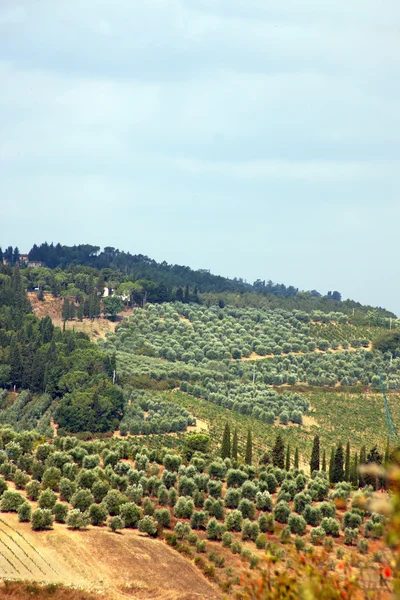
pixel 226 442
pixel 72 311
pixel 374 457
pixel 363 461
pixel 354 471
pixel 323 468
pixel 1 255
pixel 347 463
pixel 287 461
pixel 65 310
pixel 15 260
pixel 278 452
pixel 235 445
pixel 314 463
pixel 338 470
pixel 331 465
pixel 179 294
pixel 296 458
pixel 249 449
pixel 186 297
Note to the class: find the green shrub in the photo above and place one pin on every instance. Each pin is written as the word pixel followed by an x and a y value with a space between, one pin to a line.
pixel 81 500
pixel 350 535
pixel 285 536
pixel 261 540
pixel 201 546
pixel 199 519
pixel 299 543
pixel 97 514
pixel 363 546
pixel 67 489
pixel 312 515
pixel 20 479
pixel 233 520
pixel 317 535
pixel 24 512
pixel 328 509
pixel 236 547
pixel 47 499
pixel 163 516
pixel 215 530
pixel 247 508
pixel 266 523
pixel 282 512
pixel 77 519
pixel 351 520
pixel 227 539
pixel 60 511
pixel 51 478
pixel 33 490
pixel 116 523
pixel 297 524
pixel 11 501
pixel 330 526
pixel 148 525
pixel 41 519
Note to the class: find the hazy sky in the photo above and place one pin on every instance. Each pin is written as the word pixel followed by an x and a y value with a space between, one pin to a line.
pixel 256 138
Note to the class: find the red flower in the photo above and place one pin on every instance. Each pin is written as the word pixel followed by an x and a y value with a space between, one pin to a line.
pixel 340 565
pixel 387 571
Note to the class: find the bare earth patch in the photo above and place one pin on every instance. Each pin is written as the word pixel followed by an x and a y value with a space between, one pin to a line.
pixel 254 356
pixel 113 565
pixel 52 307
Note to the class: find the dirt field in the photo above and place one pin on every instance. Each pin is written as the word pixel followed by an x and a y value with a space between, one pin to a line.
pixel 53 308
pixel 115 566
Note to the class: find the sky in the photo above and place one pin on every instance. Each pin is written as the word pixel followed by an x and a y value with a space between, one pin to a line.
pixel 254 138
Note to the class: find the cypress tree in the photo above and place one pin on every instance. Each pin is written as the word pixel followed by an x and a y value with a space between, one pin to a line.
pixel 314 463
pixel 278 452
pixel 226 442
pixel 235 445
pixel 338 471
pixel 354 471
pixel 80 311
pixel 324 461
pixel 331 465
pixel 287 462
pixel 363 461
pixel 86 307
pixel 72 311
pixel 249 449
pixel 296 458
pixel 347 463
pixel 186 297
pixel 179 294
pixel 65 310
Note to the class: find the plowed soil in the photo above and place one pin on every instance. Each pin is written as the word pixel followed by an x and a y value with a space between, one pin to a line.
pixel 116 566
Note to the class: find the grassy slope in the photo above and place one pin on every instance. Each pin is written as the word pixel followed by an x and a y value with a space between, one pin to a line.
pixel 337 416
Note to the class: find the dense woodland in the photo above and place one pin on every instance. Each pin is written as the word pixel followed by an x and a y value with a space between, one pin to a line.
pixel 82 269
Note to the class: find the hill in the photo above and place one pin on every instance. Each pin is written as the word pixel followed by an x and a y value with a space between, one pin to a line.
pixel 159 282
pixel 99 561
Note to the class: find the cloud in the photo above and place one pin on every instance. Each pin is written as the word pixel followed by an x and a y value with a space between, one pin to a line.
pixel 189 117
pixel 309 171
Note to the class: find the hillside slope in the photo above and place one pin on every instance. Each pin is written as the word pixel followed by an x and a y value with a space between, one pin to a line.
pixel 118 566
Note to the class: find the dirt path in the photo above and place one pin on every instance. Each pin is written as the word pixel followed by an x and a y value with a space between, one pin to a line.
pixel 254 356
pixel 117 565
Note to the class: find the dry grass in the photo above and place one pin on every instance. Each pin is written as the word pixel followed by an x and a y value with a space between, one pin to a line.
pixel 52 307
pixel 98 561
pixel 20 590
